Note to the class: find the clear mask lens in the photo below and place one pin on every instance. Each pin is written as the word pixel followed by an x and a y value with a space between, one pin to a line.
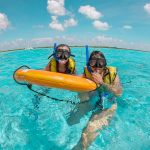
pixel 99 63
pixel 62 54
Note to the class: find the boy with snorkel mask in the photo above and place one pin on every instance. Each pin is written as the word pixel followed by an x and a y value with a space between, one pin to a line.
pixel 61 60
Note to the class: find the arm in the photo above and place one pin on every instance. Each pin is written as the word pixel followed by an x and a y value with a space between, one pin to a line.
pixel 114 87
pixel 83 96
pixel 47 68
pixel 75 72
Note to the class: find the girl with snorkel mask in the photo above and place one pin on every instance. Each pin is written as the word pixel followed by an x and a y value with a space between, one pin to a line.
pixel 103 75
pixel 61 60
pixel 106 79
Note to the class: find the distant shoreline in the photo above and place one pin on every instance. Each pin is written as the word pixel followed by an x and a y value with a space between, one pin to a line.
pixel 72 46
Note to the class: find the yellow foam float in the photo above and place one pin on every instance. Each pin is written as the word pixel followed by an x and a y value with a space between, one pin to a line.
pixel 54 80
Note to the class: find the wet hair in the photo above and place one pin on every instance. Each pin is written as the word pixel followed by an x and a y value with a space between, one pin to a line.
pixel 102 57
pixel 63 45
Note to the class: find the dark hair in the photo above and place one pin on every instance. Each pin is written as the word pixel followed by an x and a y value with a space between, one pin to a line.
pixel 94 53
pixel 63 45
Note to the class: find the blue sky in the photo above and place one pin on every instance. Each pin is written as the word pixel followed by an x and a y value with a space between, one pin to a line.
pixel 123 23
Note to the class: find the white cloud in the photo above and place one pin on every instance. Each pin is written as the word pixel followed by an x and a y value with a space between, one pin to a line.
pixel 128 27
pixel 15 44
pixel 56 7
pixel 101 25
pixel 55 24
pixel 70 22
pixel 109 41
pixel 95 41
pixel 4 23
pixel 147 7
pixel 106 41
pixel 90 12
pixel 49 41
pixel 113 42
pixel 37 42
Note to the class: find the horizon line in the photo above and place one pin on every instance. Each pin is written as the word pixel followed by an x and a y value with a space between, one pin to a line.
pixel 34 48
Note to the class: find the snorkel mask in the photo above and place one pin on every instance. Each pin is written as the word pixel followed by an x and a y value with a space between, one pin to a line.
pixel 96 60
pixel 61 53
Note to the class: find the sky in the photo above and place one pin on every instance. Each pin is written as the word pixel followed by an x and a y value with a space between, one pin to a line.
pixel 35 23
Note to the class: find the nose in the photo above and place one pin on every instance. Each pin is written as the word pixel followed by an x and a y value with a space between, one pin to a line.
pixel 97 64
pixel 64 56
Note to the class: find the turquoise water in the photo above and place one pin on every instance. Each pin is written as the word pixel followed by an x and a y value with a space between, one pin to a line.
pixel 29 123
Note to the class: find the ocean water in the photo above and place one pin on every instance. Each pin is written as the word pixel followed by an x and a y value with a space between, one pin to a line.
pixel 29 121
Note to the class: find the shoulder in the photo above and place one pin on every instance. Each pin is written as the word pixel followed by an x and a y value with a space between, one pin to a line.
pixel 51 63
pixel 112 69
pixel 47 68
pixel 72 61
pixel 112 72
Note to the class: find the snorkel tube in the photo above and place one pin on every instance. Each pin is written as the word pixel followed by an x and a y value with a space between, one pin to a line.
pixel 87 59
pixel 87 54
pixel 54 52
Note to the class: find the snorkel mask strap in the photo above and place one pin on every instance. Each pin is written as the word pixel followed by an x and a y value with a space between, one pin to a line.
pixel 72 55
pixel 87 59
pixel 50 56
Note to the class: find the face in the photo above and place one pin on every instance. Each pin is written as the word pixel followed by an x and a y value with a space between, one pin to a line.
pixel 97 70
pixel 63 54
pixel 97 64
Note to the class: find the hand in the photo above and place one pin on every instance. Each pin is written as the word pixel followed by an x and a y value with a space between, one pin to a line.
pixel 97 78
